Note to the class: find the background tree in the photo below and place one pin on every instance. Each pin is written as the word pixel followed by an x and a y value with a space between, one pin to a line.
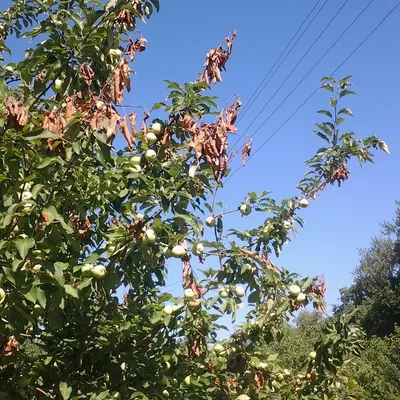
pixel 80 219
pixel 374 375
pixel 375 293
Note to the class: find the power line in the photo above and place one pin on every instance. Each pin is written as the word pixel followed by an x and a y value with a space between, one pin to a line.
pixel 315 91
pixel 313 67
pixel 294 69
pixel 251 101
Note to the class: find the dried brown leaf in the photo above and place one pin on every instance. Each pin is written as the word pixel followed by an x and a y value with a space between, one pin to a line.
pixel 231 115
pixel 136 46
pixel 10 347
pixel 132 121
pixel 87 73
pixel 144 125
pixel 117 88
pixel 246 151
pixel 70 109
pixel 54 122
pixel 112 124
pixel 17 114
pixel 216 60
pixel 125 75
pixel 123 126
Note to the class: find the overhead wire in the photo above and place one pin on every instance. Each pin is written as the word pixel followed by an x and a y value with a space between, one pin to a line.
pixel 292 71
pixel 251 101
pixel 313 67
pixel 316 90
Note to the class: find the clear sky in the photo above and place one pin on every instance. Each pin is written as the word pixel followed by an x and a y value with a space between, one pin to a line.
pixel 342 220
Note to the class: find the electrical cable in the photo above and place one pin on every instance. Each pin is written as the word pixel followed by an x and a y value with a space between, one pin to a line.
pixel 293 70
pixel 315 91
pixel 250 101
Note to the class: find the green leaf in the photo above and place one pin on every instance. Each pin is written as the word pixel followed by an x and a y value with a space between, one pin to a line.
pixel 65 390
pixel 322 136
pixel 52 215
pixel 306 283
pixel 327 86
pixel 30 295
pixel 41 297
pixel 346 93
pixel 43 135
pixel 103 395
pixel 156 4
pixel 383 146
pixel 9 274
pixel 339 120
pixel 156 317
pixel 23 246
pixel 156 106
pixel 346 111
pixel 328 78
pixel 254 297
pixel 326 112
pixel 48 161
pixel 71 291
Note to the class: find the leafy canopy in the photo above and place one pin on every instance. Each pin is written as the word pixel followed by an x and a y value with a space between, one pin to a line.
pixel 80 219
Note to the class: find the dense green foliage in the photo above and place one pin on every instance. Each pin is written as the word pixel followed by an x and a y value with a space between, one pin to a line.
pixel 375 293
pixel 80 219
pixel 374 375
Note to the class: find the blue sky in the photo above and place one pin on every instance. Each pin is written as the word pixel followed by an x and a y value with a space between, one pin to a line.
pixel 342 220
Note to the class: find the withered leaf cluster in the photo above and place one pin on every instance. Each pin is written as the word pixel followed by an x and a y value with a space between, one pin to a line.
pixel 318 287
pixel 17 114
pixel 83 229
pixel 189 280
pixel 246 151
pixel 96 114
pixel 136 46
pixel 126 17
pixel 121 79
pixel 87 73
pixel 9 345
pixel 339 175
pixel 216 60
pixel 210 141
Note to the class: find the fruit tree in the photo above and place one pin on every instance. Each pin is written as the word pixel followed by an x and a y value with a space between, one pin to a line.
pixel 81 218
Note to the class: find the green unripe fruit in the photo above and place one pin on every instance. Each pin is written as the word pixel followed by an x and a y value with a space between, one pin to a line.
pixel 303 203
pixel 301 298
pixel 194 305
pixel 156 128
pixel 151 138
pixel 150 155
pixel 197 249
pixel 168 310
pixel 2 295
pixel 210 222
pixel 98 271
pixel 245 209
pixel 189 294
pixel 239 290
pixel 58 85
pixel 178 251
pixel 294 290
pixel 149 236
pixel 135 160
